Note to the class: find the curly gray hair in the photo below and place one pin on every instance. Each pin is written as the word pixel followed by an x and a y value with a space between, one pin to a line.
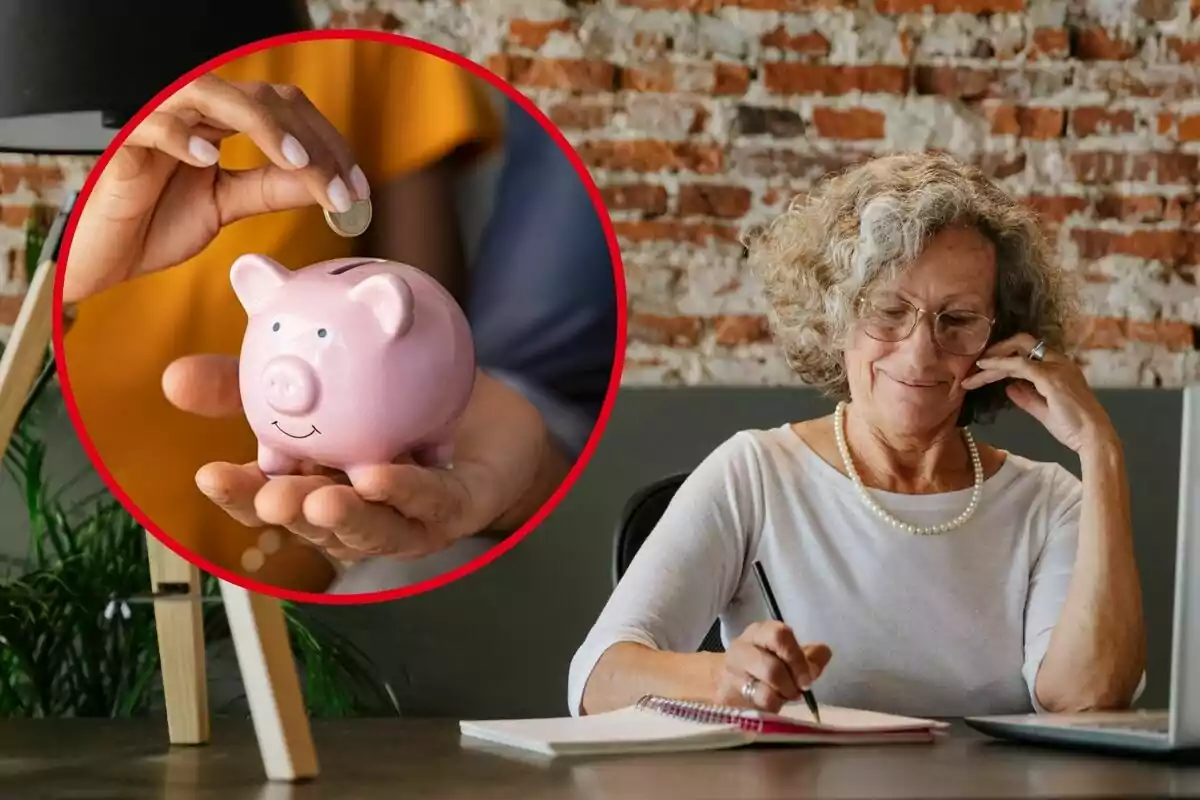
pixel 865 226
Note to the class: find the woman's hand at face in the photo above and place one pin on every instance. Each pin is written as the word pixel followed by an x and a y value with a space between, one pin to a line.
pixel 1053 391
pixel 768 653
pixel 163 197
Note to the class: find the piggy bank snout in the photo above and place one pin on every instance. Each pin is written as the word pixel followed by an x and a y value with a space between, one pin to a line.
pixel 289 385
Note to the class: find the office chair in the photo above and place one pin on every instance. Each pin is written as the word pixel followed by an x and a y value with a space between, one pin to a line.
pixel 639 516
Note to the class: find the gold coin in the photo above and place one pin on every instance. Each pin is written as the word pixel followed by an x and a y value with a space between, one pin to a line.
pixel 352 222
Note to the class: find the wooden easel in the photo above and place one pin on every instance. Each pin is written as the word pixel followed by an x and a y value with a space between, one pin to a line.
pixel 256 622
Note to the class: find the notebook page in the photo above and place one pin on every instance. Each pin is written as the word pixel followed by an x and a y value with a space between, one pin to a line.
pixel 624 730
pixel 850 720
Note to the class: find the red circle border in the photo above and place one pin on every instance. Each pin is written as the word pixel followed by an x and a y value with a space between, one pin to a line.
pixel 597 431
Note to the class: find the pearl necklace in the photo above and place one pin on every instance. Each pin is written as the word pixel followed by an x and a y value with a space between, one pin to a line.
pixel 839 415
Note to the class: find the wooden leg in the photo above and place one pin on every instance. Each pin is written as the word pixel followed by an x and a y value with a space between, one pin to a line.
pixel 180 626
pixel 272 684
pixel 27 348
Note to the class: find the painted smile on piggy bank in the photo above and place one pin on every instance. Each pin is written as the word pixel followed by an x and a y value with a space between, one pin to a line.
pixel 279 428
pixel 350 362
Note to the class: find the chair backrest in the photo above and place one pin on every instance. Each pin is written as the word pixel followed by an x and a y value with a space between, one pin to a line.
pixel 638 518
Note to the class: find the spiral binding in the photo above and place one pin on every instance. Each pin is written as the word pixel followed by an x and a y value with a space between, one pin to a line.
pixel 695 711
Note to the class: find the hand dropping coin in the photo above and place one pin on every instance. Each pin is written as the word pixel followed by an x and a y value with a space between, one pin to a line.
pixel 350 223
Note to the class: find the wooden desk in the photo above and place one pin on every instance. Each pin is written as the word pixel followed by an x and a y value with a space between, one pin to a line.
pixel 364 759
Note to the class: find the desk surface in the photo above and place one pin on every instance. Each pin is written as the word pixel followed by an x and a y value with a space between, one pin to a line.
pixel 426 758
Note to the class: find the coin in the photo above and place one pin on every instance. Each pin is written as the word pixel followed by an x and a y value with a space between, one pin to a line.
pixel 352 222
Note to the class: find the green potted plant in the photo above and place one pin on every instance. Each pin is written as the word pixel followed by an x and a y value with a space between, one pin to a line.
pixel 61 655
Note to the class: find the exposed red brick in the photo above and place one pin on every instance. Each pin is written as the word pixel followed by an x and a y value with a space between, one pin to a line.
pixel 1056 209
pixel 1029 122
pixel 666 230
pixel 790 6
pixel 811 43
pixel 676 331
pixel 1170 246
pixel 949 6
pixel 848 123
pixel 697 6
pixel 1111 333
pixel 1185 50
pixel 1002 165
pixel 649 155
pixel 1156 10
pixel 1172 335
pixel 533 34
pixel 710 200
pixel 580 115
pixel 708 6
pixel 732 330
pixel 10 307
pixel 1188 129
pixel 14 216
pixel 773 162
pixel 1094 121
pixel 791 77
pixel 1103 333
pixel 1106 167
pixel 580 75
pixel 1041 123
pixel 1096 44
pixel 1130 209
pixel 730 79
pixel 1163 167
pixel 757 120
pixel 1165 123
pixel 1179 209
pixel 368 19
pixel 655 77
pixel 650 44
pixel 635 197
pixel 1050 43
pixel 961 82
pixel 37 177
pixel 1003 118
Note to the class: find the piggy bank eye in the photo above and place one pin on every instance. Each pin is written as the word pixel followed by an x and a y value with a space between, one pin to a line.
pixel 275 327
pixel 322 332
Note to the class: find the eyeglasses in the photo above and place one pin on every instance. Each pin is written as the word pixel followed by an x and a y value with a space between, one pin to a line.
pixel 889 318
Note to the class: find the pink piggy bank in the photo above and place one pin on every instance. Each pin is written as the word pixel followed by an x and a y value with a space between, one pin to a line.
pixel 350 362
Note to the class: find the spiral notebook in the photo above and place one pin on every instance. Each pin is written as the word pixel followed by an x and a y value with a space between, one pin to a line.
pixel 663 725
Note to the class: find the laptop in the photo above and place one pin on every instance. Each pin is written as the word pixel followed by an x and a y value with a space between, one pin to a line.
pixel 1178 728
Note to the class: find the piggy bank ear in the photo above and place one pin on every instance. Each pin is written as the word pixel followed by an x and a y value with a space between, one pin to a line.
pixel 255 279
pixel 389 299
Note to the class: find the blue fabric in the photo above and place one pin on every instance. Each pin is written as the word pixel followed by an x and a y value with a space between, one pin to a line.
pixel 541 298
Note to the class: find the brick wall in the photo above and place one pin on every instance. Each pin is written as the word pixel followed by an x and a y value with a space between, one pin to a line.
pixel 699 117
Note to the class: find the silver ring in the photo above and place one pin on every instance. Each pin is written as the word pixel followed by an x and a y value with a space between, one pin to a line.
pixel 748 689
pixel 1038 352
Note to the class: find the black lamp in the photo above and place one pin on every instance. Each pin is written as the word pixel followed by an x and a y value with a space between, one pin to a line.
pixel 72 73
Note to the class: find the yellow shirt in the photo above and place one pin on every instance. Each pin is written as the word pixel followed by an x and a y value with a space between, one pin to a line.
pixel 400 110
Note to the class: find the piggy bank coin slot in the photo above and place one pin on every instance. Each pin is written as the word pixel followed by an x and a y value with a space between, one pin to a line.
pixel 348 267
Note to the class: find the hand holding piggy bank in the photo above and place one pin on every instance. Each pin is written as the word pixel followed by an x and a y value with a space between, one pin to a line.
pixel 350 362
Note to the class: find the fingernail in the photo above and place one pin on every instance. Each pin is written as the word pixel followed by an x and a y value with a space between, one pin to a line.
pixel 203 151
pixel 339 195
pixel 294 152
pixel 358 180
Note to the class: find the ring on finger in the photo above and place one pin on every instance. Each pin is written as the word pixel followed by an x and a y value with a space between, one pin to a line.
pixel 748 689
pixel 1038 351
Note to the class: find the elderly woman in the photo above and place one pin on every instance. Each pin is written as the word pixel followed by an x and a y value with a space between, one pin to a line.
pixel 919 570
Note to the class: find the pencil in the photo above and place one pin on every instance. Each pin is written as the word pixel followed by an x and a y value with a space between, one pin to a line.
pixel 761 574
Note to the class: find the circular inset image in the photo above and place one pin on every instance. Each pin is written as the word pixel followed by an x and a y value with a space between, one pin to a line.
pixel 347 316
